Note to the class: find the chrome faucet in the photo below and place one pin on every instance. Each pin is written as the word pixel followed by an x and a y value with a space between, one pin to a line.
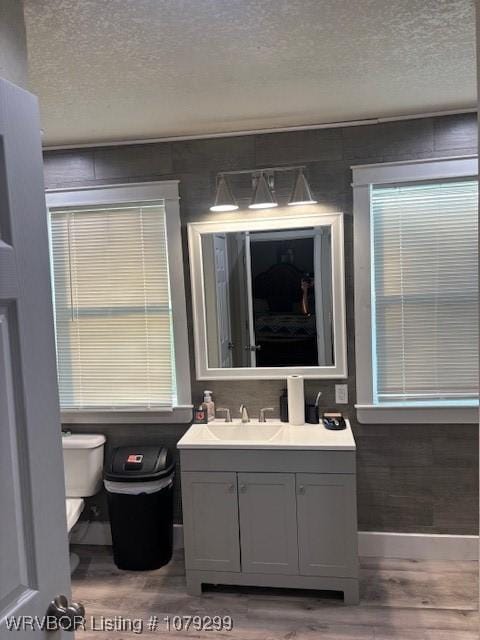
pixel 244 413
pixel 261 417
pixel 228 417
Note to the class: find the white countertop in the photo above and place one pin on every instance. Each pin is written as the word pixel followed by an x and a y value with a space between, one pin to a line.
pixel 272 434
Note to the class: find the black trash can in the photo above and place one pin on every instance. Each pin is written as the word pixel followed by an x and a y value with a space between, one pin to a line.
pixel 139 484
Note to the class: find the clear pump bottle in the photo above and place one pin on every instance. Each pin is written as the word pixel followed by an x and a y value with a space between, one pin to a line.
pixel 209 404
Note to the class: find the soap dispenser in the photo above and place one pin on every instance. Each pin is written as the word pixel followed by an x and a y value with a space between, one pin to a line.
pixel 209 404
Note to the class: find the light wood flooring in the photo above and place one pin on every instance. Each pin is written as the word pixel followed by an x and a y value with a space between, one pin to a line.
pixel 400 600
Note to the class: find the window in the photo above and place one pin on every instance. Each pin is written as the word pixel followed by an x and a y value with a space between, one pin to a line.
pixel 116 332
pixel 422 312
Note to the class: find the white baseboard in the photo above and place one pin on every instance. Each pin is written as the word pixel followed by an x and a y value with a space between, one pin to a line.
pixel 417 546
pixel 413 546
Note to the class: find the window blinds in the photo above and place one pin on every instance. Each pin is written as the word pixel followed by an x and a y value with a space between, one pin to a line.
pixel 112 308
pixel 425 291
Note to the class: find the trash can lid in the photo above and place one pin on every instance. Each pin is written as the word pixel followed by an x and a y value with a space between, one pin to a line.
pixel 138 463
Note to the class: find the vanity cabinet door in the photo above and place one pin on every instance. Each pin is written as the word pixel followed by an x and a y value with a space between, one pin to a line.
pixel 210 521
pixel 268 523
pixel 327 524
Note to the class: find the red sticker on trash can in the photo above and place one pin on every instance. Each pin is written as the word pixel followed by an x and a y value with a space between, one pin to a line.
pixel 136 458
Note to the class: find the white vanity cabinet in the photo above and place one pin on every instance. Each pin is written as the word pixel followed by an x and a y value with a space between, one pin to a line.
pixel 267 517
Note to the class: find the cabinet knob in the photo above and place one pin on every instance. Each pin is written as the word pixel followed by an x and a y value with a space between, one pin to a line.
pixel 301 489
pixel 231 488
pixel 243 488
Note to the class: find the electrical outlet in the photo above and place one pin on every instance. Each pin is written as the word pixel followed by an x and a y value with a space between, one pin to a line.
pixel 341 394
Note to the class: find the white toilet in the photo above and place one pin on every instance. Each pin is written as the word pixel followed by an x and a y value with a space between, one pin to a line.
pixel 83 462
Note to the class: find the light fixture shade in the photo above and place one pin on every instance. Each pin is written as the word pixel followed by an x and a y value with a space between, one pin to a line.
pixel 262 197
pixel 224 200
pixel 301 193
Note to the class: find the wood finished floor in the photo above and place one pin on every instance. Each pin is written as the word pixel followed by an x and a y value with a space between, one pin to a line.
pixel 400 600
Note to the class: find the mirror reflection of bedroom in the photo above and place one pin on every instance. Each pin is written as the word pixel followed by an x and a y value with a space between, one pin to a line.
pixel 268 298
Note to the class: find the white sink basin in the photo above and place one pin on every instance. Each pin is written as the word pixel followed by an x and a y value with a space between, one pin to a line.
pixel 239 432
pixel 272 434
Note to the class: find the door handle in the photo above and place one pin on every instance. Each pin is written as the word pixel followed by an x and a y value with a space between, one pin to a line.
pixel 68 617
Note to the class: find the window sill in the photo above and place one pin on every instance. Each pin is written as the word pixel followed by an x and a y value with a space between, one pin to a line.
pixel 178 415
pixel 417 414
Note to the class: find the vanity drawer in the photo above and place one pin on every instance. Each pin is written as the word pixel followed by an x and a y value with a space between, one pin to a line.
pixel 265 460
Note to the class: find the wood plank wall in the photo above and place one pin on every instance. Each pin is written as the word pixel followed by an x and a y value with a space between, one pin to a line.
pixel 411 478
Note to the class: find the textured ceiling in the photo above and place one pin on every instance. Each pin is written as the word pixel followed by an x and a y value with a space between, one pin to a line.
pixel 109 70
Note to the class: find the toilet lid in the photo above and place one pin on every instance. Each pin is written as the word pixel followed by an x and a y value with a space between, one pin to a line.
pixel 74 509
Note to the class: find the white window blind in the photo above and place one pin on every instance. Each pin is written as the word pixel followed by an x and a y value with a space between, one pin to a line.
pixel 425 292
pixel 113 314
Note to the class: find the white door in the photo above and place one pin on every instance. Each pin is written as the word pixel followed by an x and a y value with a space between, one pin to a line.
pixel 223 300
pixel 34 561
pixel 319 300
pixel 251 319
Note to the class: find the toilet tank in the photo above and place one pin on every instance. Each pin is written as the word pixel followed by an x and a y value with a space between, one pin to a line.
pixel 83 462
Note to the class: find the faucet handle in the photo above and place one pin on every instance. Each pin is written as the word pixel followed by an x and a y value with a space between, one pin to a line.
pixel 261 417
pixel 228 415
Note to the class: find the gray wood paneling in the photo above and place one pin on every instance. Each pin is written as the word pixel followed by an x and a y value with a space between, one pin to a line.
pixel 383 511
pixel 196 193
pixel 455 132
pixel 296 147
pixel 405 137
pixel 133 161
pixel 329 176
pixel 67 167
pixel 214 154
pixel 384 450
pixel 454 493
pixel 361 144
pixel 398 465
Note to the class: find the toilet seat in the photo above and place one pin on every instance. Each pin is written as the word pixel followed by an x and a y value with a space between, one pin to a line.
pixel 74 508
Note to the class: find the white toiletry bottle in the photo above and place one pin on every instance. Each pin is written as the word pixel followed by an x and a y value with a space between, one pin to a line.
pixel 209 404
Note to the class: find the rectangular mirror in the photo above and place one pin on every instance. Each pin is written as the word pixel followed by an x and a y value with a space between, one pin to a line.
pixel 268 297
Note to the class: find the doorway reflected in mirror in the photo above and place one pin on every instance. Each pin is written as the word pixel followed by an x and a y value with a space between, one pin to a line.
pixel 268 298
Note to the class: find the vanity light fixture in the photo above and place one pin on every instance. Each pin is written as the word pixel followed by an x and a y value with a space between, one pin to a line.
pixel 224 200
pixel 262 197
pixel 263 183
pixel 301 193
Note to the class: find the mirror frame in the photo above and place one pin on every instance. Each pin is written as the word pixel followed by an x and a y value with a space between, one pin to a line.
pixel 255 223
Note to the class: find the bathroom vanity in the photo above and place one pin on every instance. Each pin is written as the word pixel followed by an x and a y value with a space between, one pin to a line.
pixel 270 504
